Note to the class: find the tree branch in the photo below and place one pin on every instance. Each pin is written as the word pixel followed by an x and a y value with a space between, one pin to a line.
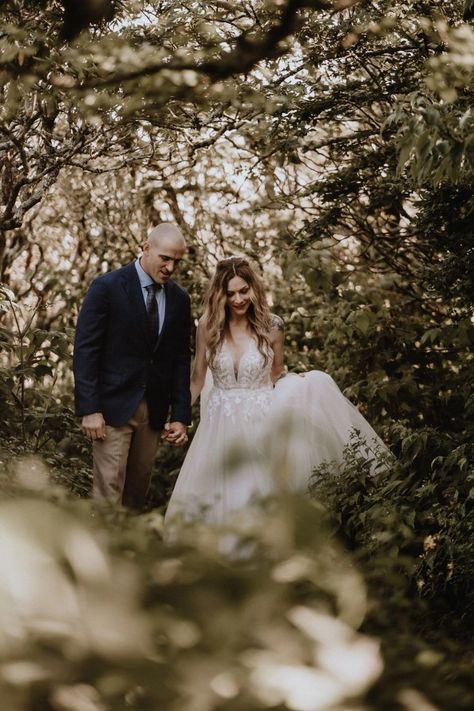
pixel 246 54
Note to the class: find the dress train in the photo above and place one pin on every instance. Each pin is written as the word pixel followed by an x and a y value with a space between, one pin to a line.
pixel 255 440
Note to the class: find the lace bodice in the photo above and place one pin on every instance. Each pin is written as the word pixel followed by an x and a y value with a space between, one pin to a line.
pixel 252 371
pixel 245 393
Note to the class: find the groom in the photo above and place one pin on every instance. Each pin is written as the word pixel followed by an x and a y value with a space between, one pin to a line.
pixel 131 364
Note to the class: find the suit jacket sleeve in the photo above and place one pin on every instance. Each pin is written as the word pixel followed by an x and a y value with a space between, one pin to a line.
pixel 180 392
pixel 90 333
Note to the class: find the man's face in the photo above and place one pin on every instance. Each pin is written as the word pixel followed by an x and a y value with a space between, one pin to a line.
pixel 161 257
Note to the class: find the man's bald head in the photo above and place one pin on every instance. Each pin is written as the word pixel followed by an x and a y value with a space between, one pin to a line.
pixel 163 250
pixel 166 232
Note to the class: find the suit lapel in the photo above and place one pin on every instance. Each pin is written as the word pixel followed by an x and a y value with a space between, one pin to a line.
pixel 170 306
pixel 132 286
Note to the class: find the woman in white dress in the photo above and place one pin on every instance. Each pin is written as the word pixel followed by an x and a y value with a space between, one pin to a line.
pixel 261 430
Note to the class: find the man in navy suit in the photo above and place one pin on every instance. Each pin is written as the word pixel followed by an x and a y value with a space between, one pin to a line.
pixel 131 365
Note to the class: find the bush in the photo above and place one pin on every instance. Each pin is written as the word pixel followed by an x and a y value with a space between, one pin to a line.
pixel 410 527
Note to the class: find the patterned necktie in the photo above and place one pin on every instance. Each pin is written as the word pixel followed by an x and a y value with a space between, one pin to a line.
pixel 152 310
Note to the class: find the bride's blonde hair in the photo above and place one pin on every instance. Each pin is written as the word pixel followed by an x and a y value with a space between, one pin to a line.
pixel 216 312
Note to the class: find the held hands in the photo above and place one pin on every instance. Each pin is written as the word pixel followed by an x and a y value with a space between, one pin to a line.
pixel 93 426
pixel 175 433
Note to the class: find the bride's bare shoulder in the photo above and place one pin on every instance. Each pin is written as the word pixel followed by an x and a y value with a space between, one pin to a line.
pixel 276 323
pixel 202 326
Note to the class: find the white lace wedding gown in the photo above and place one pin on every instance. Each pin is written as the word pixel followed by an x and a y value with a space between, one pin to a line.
pixel 254 440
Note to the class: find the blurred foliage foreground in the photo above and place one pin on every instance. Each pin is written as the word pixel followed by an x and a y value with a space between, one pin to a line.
pixel 97 613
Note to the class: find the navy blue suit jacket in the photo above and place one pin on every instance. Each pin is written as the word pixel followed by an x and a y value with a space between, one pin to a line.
pixel 115 362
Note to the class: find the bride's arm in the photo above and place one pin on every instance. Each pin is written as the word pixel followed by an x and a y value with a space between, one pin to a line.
pixel 277 338
pixel 200 363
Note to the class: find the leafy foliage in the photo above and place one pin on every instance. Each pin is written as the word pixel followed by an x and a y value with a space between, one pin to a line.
pixel 126 621
pixel 409 532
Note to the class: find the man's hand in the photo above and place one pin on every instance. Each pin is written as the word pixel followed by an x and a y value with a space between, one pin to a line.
pixel 93 426
pixel 175 433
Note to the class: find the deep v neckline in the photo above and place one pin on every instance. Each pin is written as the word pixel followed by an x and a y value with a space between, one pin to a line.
pixel 236 370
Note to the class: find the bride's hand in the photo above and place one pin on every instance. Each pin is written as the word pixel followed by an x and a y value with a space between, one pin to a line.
pixel 175 433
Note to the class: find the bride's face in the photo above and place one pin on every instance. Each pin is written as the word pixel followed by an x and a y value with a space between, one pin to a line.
pixel 238 295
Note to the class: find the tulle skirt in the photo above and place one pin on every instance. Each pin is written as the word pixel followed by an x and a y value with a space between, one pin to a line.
pixel 254 443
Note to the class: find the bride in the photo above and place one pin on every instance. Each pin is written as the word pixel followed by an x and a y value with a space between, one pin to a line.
pixel 261 430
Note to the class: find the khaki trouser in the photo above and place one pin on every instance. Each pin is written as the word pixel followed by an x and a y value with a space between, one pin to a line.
pixel 124 459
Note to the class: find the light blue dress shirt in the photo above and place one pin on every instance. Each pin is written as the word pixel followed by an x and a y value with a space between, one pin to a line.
pixel 146 280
